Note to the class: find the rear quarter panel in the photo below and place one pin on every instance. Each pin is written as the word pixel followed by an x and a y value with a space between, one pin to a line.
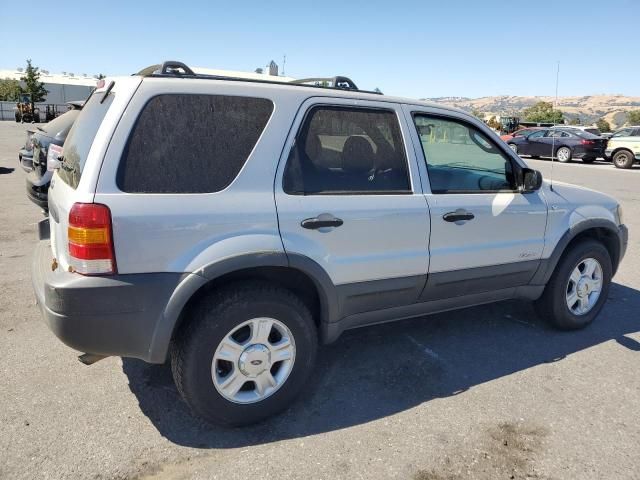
pixel 186 232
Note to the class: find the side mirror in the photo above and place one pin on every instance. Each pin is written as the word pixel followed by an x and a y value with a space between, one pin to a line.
pixel 531 180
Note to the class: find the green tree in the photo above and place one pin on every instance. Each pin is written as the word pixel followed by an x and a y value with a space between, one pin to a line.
pixel 633 117
pixel 9 90
pixel 476 113
pixel 543 112
pixel 574 121
pixel 603 125
pixel 33 86
pixel 101 76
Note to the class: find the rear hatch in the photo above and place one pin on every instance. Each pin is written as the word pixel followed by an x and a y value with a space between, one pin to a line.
pixel 75 179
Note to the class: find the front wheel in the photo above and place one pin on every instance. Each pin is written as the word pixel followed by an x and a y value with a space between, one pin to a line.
pixel 578 287
pixel 245 353
pixel 623 159
pixel 563 154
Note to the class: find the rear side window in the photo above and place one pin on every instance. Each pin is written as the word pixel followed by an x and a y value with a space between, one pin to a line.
pixel 184 143
pixel 347 151
pixel 60 126
pixel 80 138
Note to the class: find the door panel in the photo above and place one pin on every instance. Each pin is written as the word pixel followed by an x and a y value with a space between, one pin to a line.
pixel 485 235
pixel 381 235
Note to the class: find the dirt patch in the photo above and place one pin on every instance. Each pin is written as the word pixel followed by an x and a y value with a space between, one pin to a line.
pixel 509 450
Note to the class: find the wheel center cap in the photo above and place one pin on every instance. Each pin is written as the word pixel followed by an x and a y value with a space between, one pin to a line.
pixel 583 288
pixel 254 360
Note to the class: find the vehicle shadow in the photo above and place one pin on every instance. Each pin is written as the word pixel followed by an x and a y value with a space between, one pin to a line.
pixel 374 372
pixel 5 170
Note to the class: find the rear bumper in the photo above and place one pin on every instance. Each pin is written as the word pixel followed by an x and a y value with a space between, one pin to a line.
pixel 38 194
pixel 115 315
pixel 25 158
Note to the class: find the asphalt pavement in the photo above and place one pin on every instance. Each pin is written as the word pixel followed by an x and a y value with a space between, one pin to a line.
pixel 485 393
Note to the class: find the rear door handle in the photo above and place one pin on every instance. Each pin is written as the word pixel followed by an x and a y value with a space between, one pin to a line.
pixel 459 215
pixel 322 220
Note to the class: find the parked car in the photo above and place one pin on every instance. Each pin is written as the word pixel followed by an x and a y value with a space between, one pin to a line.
pixel 624 150
pixel 584 128
pixel 25 154
pixel 286 214
pixel 563 143
pixel 519 133
pixel 46 143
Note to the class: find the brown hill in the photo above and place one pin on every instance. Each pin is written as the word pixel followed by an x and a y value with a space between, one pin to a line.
pixel 588 109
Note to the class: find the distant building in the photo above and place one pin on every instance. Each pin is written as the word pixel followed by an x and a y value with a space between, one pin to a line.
pixel 62 88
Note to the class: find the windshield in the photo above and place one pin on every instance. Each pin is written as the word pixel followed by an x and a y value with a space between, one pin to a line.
pixel 80 138
pixel 59 127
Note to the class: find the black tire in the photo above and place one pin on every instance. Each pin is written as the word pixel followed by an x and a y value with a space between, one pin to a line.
pixel 210 321
pixel 623 159
pixel 552 305
pixel 18 117
pixel 567 159
pixel 588 160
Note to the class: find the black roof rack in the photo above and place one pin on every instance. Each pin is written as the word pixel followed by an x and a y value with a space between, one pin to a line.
pixel 176 69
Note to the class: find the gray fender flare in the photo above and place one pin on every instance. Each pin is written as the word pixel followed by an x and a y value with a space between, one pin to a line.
pixel 163 333
pixel 547 266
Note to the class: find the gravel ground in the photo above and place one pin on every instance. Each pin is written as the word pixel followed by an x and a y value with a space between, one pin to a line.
pixel 487 392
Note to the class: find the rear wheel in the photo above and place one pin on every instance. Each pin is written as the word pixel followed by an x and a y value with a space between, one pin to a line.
pixel 245 354
pixel 578 287
pixel 18 117
pixel 623 159
pixel 563 154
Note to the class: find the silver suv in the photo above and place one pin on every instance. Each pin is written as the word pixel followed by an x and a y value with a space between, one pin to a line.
pixel 230 225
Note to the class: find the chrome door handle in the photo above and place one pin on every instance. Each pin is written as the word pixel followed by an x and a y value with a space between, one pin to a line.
pixel 458 215
pixel 322 220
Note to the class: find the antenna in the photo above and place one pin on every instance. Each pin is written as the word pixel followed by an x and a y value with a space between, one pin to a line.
pixel 553 138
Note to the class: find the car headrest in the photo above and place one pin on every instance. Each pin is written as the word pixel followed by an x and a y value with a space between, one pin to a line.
pixel 357 155
pixel 313 147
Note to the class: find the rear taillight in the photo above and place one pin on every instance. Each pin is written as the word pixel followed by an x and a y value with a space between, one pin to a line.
pixel 90 239
pixel 587 142
pixel 53 153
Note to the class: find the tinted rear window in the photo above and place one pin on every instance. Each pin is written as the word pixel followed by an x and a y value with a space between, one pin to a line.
pixel 583 134
pixel 80 138
pixel 191 143
pixel 59 127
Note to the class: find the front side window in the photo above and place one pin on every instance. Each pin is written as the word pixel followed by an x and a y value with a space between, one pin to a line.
pixel 537 134
pixel 622 133
pixel 183 143
pixel 462 159
pixel 342 150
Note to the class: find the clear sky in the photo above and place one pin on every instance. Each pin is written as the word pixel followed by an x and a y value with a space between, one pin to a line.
pixel 411 48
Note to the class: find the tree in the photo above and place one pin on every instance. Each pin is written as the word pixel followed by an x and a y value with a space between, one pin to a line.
pixel 603 125
pixel 9 90
pixel 101 76
pixel 33 86
pixel 476 113
pixel 574 121
pixel 633 117
pixel 543 112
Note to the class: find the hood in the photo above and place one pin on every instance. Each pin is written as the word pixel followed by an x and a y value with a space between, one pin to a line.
pixel 577 195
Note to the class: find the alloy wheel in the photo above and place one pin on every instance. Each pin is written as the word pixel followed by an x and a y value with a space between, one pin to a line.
pixel 253 360
pixel 584 286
